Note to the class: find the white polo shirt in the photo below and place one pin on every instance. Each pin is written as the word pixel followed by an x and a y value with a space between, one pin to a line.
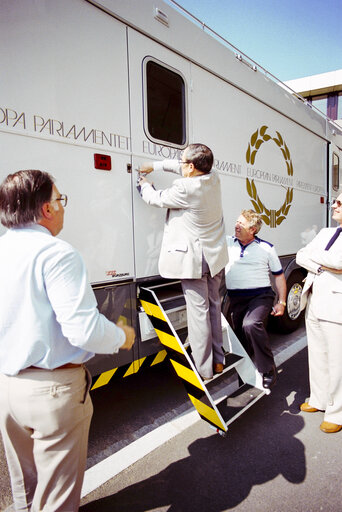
pixel 249 266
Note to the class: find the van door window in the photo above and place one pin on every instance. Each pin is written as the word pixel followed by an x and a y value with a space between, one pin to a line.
pixel 165 105
pixel 336 173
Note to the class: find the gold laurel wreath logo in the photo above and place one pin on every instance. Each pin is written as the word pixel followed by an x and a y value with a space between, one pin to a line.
pixel 272 218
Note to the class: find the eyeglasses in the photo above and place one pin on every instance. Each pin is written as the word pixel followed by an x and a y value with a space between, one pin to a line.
pixel 337 203
pixel 182 162
pixel 63 199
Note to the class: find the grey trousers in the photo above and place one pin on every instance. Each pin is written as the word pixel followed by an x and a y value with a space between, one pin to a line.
pixel 203 305
pixel 44 419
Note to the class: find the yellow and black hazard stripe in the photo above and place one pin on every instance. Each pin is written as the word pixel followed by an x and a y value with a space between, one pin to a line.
pixel 128 369
pixel 180 360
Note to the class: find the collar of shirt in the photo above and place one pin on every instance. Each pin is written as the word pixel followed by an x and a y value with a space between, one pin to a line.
pixel 244 247
pixel 32 226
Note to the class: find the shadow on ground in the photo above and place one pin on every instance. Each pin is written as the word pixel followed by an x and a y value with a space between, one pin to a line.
pixel 219 473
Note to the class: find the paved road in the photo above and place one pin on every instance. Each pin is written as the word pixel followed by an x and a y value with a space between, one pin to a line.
pixel 135 408
pixel 137 415
pixel 274 459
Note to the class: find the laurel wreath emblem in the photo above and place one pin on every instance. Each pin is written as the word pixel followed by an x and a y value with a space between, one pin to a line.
pixel 272 218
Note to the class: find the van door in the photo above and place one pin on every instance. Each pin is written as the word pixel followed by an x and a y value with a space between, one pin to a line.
pixel 159 99
pixel 335 178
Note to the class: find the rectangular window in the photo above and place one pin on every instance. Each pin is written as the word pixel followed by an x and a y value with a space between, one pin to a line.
pixel 165 105
pixel 336 172
pixel 339 106
pixel 321 102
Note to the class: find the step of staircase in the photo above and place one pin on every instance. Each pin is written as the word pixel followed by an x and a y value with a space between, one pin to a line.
pixel 218 413
pixel 231 407
pixel 231 361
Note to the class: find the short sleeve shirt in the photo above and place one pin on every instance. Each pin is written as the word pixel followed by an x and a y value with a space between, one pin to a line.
pixel 249 266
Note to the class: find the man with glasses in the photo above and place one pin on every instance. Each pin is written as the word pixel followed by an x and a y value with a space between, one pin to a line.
pixel 49 327
pixel 251 296
pixel 322 296
pixel 194 247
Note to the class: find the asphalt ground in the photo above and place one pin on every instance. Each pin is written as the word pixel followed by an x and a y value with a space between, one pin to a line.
pixel 274 459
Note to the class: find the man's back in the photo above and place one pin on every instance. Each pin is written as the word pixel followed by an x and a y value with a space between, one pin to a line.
pixel 194 224
pixel 31 260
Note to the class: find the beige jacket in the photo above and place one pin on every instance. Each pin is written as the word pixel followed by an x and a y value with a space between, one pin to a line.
pixel 326 286
pixel 194 224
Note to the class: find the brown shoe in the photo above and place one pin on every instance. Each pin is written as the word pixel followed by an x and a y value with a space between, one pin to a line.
pixel 330 428
pixel 218 367
pixel 305 407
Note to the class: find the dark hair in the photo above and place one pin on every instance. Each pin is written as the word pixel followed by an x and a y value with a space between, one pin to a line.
pixel 201 156
pixel 22 196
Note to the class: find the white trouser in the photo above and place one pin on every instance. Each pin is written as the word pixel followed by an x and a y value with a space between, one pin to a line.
pixel 44 419
pixel 325 365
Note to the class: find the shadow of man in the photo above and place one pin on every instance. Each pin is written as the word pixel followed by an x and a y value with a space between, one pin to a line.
pixel 219 473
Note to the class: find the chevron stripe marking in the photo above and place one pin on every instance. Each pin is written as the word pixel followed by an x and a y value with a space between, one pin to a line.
pixel 157 323
pixel 169 341
pixel 186 374
pixel 104 378
pixel 207 413
pixel 128 369
pixel 135 366
pixel 159 357
pixel 152 310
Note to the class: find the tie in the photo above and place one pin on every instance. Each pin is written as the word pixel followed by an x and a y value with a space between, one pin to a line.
pixel 333 238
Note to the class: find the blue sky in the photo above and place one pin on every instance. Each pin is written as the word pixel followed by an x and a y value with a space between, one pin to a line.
pixel 290 38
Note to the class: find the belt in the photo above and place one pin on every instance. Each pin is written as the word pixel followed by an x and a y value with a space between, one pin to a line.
pixel 63 367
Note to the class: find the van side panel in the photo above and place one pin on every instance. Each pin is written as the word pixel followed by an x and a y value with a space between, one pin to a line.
pixel 64 98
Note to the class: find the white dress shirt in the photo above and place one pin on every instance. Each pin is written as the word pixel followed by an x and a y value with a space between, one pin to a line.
pixel 48 311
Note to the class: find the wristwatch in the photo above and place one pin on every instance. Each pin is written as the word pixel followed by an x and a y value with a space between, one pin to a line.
pixel 282 302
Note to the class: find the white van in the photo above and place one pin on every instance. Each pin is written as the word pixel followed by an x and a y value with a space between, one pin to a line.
pixel 91 89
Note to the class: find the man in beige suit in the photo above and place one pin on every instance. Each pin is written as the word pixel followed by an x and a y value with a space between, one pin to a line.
pixel 322 295
pixel 194 247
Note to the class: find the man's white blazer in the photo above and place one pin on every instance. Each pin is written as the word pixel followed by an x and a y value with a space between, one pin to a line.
pixel 327 286
pixel 194 224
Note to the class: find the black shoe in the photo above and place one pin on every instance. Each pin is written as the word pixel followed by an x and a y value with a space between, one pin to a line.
pixel 269 378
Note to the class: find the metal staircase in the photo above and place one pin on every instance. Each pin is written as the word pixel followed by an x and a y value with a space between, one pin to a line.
pixel 219 413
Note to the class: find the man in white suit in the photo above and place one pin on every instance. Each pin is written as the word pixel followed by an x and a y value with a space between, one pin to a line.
pixel 322 295
pixel 194 247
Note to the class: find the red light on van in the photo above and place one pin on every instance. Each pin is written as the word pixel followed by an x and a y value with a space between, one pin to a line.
pixel 103 162
pixel 322 200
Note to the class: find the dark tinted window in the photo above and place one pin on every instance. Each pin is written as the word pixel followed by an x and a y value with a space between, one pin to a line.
pixel 336 172
pixel 165 104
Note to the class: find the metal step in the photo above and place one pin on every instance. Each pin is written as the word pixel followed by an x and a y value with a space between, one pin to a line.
pixel 236 360
pixel 231 407
pixel 231 361
pixel 169 294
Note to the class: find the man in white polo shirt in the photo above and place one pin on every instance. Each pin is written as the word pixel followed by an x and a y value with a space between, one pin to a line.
pixel 250 292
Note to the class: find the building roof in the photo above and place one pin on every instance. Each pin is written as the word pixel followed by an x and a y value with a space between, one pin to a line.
pixel 317 84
